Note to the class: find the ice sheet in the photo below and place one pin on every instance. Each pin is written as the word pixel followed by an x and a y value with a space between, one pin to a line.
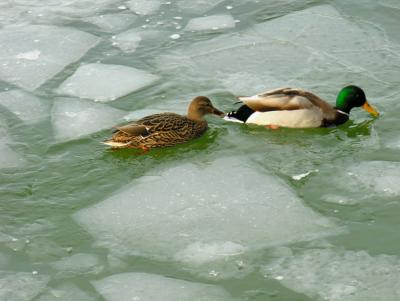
pixel 144 7
pixel 78 264
pixel 339 275
pixel 33 54
pixel 72 118
pixel 25 106
pixel 149 287
pixel 298 49
pixel 8 157
pixel 198 7
pixel 171 216
pixel 215 22
pixel 105 82
pixel 66 292
pixel 21 286
pixel 113 22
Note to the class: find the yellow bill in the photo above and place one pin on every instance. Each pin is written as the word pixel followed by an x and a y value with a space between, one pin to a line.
pixel 370 109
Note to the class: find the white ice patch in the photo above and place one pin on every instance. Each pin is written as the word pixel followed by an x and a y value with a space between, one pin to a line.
pixel 127 41
pixel 31 55
pixel 215 22
pixel 149 287
pixel 65 292
pixel 21 286
pixel 36 53
pixel 112 22
pixel 72 119
pixel 172 216
pixel 25 106
pixel 303 175
pixel 105 82
pixel 77 264
pixel 144 7
pixel 337 275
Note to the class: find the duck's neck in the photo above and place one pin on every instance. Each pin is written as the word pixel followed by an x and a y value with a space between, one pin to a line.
pixel 195 116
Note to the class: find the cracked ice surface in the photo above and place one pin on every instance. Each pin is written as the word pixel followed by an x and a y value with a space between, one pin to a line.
pixel 32 55
pixel 171 216
pixel 314 45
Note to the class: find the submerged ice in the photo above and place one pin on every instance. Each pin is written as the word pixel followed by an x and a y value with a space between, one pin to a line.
pixel 214 22
pixel 21 286
pixel 142 286
pixel 172 216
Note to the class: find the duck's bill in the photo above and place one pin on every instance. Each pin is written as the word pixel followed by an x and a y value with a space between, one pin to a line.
pixel 370 109
pixel 218 112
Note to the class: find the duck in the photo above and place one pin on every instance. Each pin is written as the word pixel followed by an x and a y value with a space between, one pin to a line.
pixel 165 129
pixel 297 108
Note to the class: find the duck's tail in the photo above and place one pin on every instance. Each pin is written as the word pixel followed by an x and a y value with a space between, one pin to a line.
pixel 241 115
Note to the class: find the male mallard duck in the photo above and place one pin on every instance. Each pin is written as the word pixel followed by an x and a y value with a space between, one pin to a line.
pixel 295 108
pixel 165 129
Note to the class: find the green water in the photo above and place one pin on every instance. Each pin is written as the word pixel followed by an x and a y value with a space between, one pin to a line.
pixel 59 178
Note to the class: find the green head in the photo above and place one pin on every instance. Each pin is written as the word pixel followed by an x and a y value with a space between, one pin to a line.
pixel 353 96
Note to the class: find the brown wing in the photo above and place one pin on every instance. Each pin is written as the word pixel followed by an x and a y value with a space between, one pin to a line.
pixel 133 129
pixel 163 122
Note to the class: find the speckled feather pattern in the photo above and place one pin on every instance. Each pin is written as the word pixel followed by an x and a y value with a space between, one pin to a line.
pixel 164 129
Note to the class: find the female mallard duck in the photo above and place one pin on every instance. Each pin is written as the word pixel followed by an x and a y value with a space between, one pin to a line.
pixel 295 108
pixel 165 129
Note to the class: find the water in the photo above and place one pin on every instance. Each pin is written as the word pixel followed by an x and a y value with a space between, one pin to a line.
pixel 242 213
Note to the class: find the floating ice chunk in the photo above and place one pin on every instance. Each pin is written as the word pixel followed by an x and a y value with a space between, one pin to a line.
pixel 172 217
pixel 337 275
pixel 105 82
pixel 127 41
pixel 112 22
pixel 21 286
pixel 66 292
pixel 200 253
pixel 141 286
pixel 72 119
pixel 8 157
pixel 215 22
pixel 25 106
pixel 303 175
pixel 78 264
pixel 197 7
pixel 144 7
pixel 36 53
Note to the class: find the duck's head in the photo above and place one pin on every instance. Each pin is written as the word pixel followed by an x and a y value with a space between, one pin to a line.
pixel 201 106
pixel 353 96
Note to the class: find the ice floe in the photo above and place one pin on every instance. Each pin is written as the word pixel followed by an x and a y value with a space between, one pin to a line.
pixel 33 54
pixel 105 82
pixel 112 22
pixel 65 292
pixel 144 7
pixel 25 106
pixel 72 118
pixel 21 286
pixel 197 7
pixel 127 41
pixel 171 216
pixel 215 22
pixel 146 287
pixel 8 157
pixel 78 264
pixel 338 275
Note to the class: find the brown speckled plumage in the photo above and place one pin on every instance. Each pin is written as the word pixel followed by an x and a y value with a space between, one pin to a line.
pixel 165 129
